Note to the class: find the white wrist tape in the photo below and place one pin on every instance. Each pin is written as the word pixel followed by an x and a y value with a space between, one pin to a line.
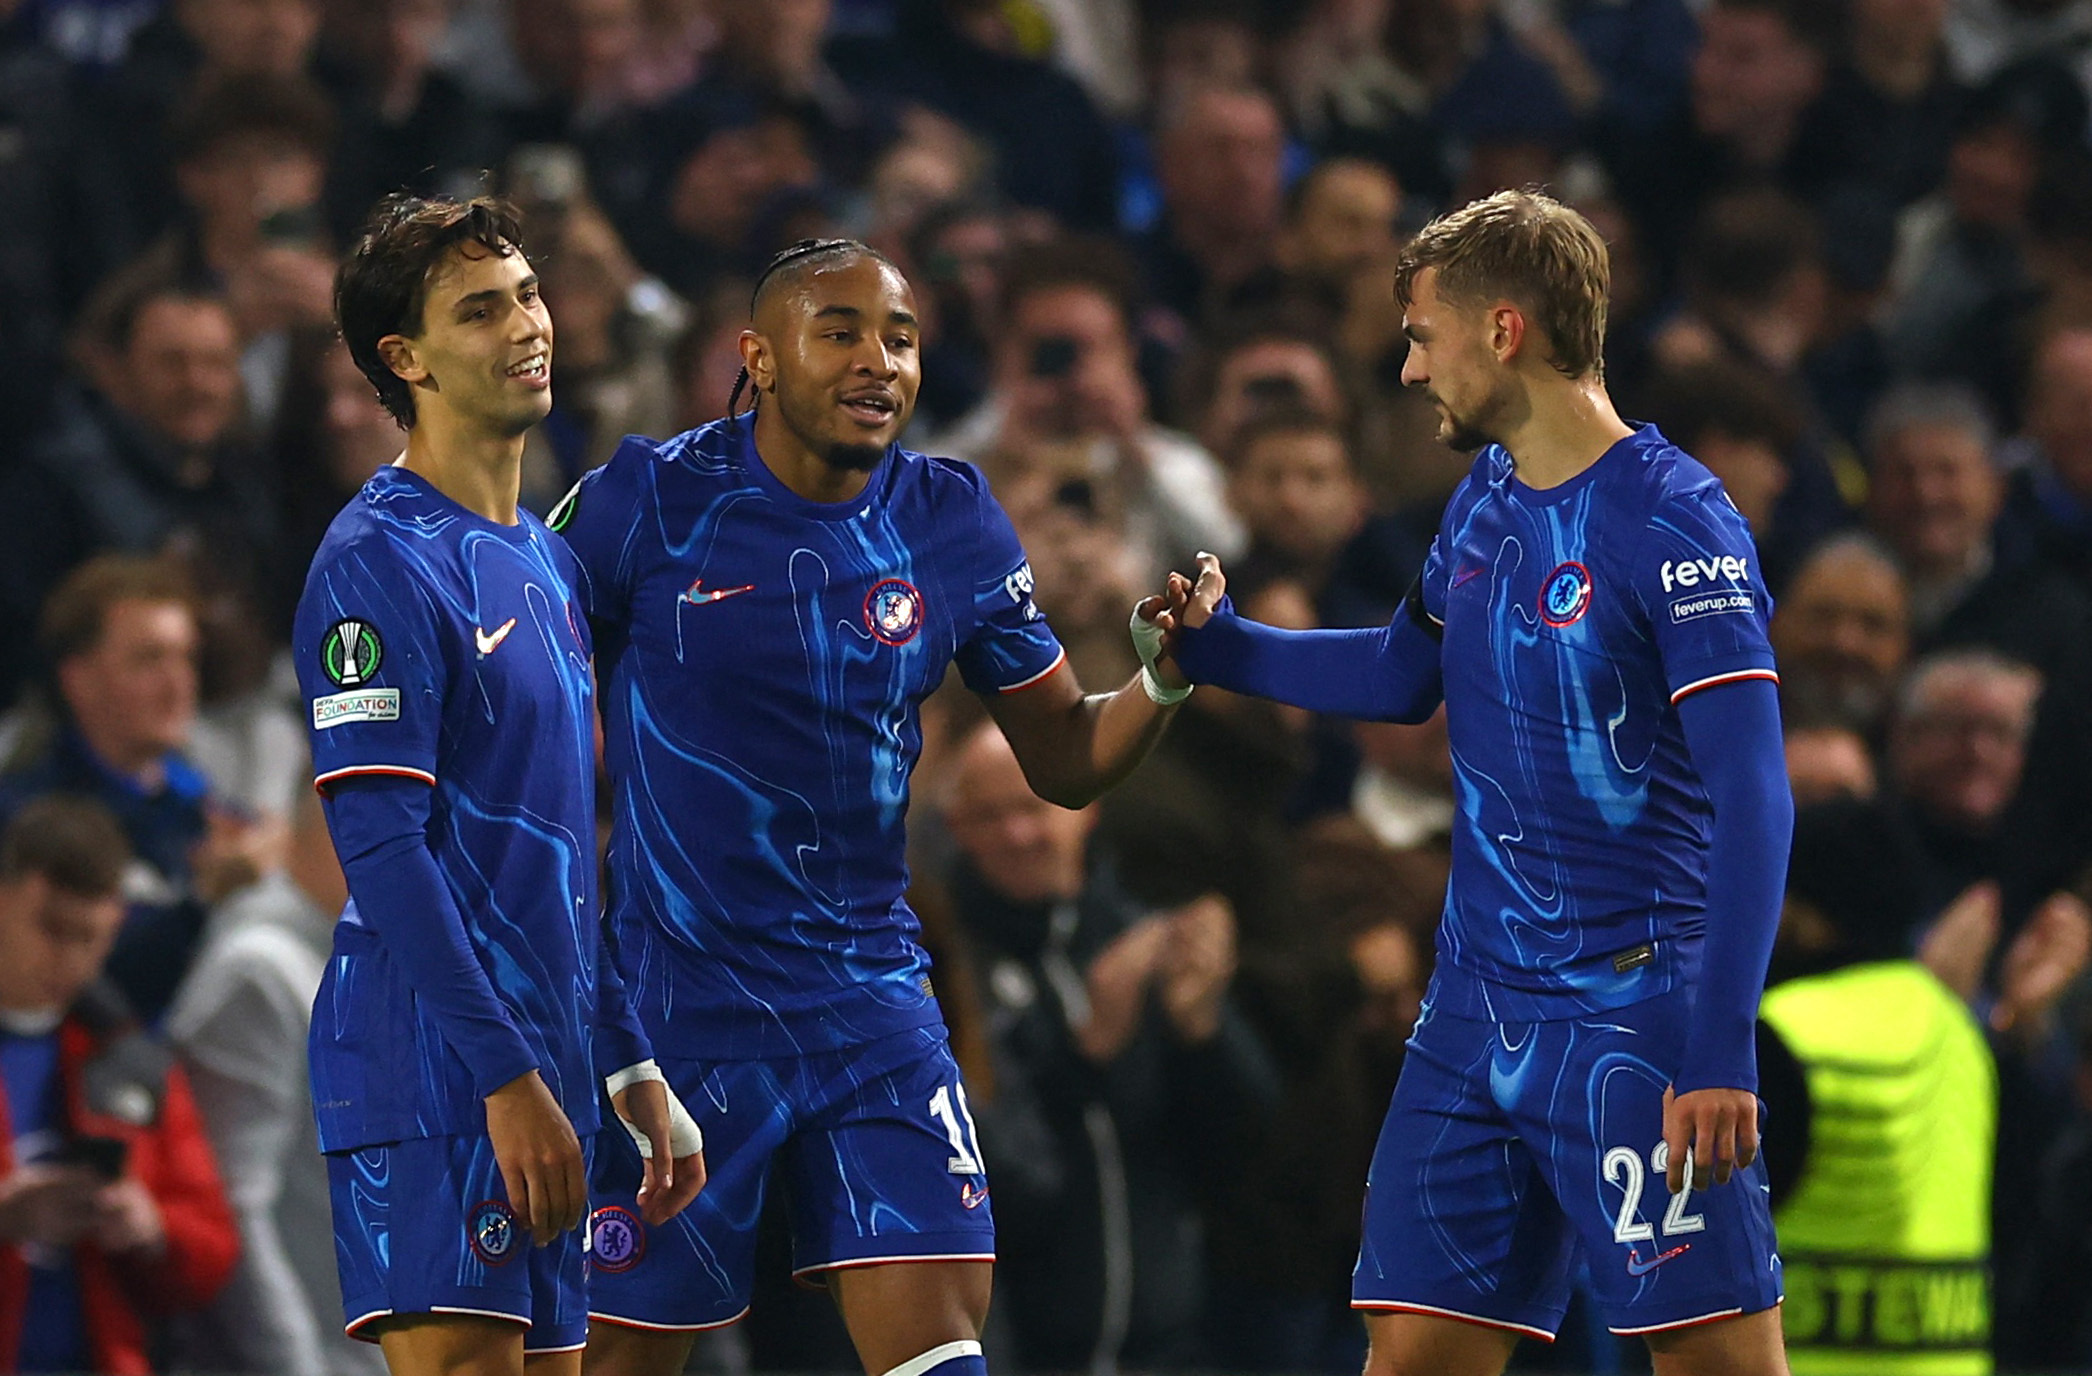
pixel 685 1138
pixel 1147 643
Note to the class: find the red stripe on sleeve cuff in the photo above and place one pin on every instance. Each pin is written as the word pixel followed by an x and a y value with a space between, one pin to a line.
pixel 397 770
pixel 1737 677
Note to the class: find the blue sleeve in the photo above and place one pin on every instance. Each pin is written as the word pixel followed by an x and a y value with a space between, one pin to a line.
pixel 601 522
pixel 1697 579
pixel 1010 645
pixel 1390 674
pixel 1734 736
pixel 379 823
pixel 370 665
pixel 620 1040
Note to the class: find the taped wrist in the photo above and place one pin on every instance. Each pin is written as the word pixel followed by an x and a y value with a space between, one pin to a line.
pixel 685 1138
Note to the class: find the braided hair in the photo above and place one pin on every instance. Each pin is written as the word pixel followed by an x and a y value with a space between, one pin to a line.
pixel 791 262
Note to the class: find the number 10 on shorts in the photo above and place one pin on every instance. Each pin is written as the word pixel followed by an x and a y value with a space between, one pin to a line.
pixel 958 1129
pixel 1623 1167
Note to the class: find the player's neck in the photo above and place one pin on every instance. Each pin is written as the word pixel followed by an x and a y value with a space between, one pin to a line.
pixel 1566 426
pixel 481 472
pixel 801 470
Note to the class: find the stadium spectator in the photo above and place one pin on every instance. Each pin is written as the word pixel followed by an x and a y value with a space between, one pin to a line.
pixel 1842 633
pixel 1743 424
pixel 698 219
pixel 1121 1073
pixel 112 1219
pixel 957 250
pixel 149 453
pixel 406 122
pixel 1880 1162
pixel 1403 793
pixel 1956 756
pixel 121 639
pixel 1825 763
pixel 2044 1320
pixel 1053 151
pixel 1070 520
pixel 2048 513
pixel 1760 64
pixel 1293 483
pixel 1757 295
pixel 1284 1235
pixel 771 53
pixel 1220 161
pixel 1933 498
pixel 616 329
pixel 1341 217
pixel 66 227
pixel 1880 129
pixel 331 435
pixel 1271 362
pixel 187 48
pixel 250 164
pixel 239 1023
pixel 1064 370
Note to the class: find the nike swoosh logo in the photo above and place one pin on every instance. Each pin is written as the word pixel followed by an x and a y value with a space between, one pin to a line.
pixel 1470 574
pixel 489 643
pixel 1637 1267
pixel 697 594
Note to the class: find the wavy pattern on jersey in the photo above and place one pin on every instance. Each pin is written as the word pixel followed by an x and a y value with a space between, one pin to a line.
pixel 761 735
pixel 512 825
pixel 1581 824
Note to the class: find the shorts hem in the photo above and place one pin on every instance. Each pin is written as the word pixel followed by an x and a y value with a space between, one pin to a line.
pixel 1434 1311
pixel 1734 1311
pixel 803 1273
pixel 548 1351
pixel 353 1328
pixel 646 1326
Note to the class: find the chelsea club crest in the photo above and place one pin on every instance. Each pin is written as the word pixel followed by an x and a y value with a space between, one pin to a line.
pixel 492 1232
pixel 1565 595
pixel 893 611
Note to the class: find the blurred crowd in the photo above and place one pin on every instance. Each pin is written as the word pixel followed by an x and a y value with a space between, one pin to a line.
pixel 1152 241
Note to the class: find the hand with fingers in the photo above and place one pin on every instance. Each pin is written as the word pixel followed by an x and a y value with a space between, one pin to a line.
pixel 1158 621
pixel 539 1157
pixel 672 1180
pixel 1712 1131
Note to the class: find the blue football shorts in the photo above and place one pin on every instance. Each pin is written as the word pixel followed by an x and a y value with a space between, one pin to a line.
pixel 1510 1148
pixel 879 1157
pixel 425 1227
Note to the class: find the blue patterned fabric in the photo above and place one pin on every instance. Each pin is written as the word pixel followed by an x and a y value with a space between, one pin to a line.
pixel 763 659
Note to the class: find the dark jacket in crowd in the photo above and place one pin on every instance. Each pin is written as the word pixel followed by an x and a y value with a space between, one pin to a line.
pixel 1097 1168
pixel 165 918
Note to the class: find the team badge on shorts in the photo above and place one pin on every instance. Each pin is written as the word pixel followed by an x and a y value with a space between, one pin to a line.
pixel 616 1241
pixel 492 1232
pixel 893 611
pixel 1566 595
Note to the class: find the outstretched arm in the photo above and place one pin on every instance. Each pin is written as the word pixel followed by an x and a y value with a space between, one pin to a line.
pixel 1075 746
pixel 1390 674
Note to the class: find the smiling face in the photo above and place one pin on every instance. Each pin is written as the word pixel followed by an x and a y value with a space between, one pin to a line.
pixel 837 351
pixel 484 353
pixel 1451 359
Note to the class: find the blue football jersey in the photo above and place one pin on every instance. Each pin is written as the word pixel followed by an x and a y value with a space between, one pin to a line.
pixel 436 644
pixel 762 660
pixel 1574 619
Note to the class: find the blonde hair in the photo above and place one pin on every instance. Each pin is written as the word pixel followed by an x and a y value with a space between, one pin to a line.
pixel 1530 248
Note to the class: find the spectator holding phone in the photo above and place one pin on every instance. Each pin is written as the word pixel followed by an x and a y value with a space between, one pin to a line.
pixel 111 1213
pixel 1066 370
